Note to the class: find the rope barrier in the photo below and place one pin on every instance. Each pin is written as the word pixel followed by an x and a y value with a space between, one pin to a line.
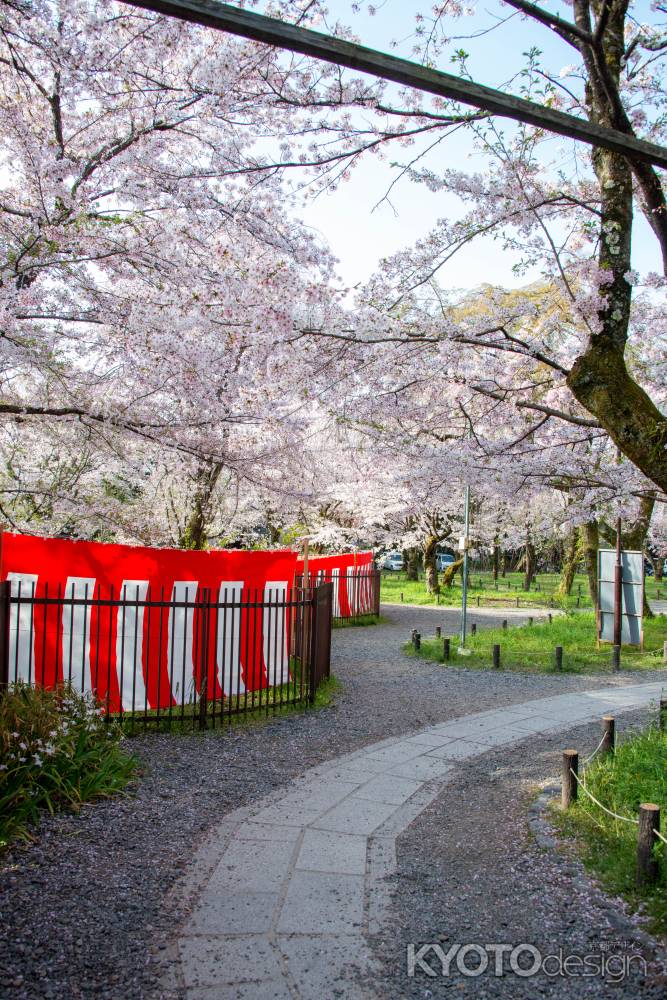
pixel 589 759
pixel 624 819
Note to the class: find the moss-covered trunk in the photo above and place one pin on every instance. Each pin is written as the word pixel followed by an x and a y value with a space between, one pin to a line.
pixel 429 553
pixel 569 567
pixel 411 562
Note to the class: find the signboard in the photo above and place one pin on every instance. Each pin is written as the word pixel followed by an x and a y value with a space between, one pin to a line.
pixel 632 596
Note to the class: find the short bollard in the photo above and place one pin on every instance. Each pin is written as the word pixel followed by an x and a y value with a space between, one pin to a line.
pixel 504 623
pixel 401 597
pixel 445 649
pixel 662 714
pixel 478 600
pixel 473 628
pixel 616 658
pixel 517 602
pixel 551 618
pixel 413 634
pixel 496 657
pixel 530 619
pixel 578 599
pixel 438 631
pixel 417 640
pixel 559 657
pixel 648 868
pixel 608 734
pixel 570 771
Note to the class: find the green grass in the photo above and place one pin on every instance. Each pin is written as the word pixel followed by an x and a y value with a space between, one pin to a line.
pixel 530 648
pixel 480 584
pixel 247 709
pixel 636 773
pixel 361 622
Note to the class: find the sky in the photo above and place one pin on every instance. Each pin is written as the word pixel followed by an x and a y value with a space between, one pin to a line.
pixel 361 227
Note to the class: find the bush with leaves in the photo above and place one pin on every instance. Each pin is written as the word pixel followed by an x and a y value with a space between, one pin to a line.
pixel 56 751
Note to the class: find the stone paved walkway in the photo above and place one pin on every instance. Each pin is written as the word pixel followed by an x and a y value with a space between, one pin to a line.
pixel 290 891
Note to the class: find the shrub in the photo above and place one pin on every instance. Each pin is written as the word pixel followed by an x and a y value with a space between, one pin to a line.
pixel 56 751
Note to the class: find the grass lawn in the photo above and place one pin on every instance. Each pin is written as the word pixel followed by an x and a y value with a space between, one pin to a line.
pixel 542 593
pixel 636 773
pixel 531 648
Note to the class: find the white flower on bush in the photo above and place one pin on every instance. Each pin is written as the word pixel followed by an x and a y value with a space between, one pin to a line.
pixel 37 759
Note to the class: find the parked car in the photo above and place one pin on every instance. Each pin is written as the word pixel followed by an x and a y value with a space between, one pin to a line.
pixel 393 562
pixel 443 560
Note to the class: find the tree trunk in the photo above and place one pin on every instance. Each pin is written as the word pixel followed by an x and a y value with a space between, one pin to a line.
pixel 451 571
pixel 505 559
pixel 430 567
pixel 529 573
pixel 569 564
pixel 195 532
pixel 591 542
pixel 658 566
pixel 411 561
pixel 496 559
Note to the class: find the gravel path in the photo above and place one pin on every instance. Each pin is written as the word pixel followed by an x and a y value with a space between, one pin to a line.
pixel 83 912
pixel 470 872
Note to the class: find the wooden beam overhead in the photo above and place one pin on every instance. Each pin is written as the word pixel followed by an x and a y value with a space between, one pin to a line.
pixel 335 50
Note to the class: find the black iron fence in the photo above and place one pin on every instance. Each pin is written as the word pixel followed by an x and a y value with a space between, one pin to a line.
pixel 355 592
pixel 190 656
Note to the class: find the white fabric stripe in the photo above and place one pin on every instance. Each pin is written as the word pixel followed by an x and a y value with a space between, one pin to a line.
pixel 179 638
pixel 76 633
pixel 130 645
pixel 230 675
pixel 274 633
pixel 21 629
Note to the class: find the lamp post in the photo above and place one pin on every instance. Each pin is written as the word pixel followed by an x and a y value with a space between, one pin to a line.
pixel 464 543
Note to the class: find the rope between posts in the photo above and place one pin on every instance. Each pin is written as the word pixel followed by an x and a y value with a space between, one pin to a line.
pixel 624 819
pixel 589 759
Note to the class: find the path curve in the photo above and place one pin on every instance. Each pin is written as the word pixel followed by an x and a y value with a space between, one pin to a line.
pixel 293 887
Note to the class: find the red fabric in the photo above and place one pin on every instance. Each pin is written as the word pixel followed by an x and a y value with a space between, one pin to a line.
pixel 335 569
pixel 54 632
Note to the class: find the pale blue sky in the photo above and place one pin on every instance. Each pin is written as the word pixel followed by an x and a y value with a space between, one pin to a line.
pixel 360 234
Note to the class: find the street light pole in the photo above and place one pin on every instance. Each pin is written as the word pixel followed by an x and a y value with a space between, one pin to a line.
pixel 464 591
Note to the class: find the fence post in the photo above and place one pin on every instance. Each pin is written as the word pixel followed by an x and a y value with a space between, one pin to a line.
pixel 496 657
pixel 445 649
pixel 504 623
pixel 662 714
pixel 438 631
pixel 648 867
pixel 416 640
pixel 570 770
pixel 5 595
pixel 559 657
pixel 616 658
pixel 203 657
pixel 608 734
pixel 473 628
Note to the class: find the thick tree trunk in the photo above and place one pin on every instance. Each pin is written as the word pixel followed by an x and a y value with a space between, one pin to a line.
pixel 591 542
pixel 411 561
pixel 195 532
pixel 430 568
pixel 529 566
pixel 451 571
pixel 569 564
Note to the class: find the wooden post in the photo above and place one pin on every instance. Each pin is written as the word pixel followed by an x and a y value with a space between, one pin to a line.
pixel 662 712
pixel 478 600
pixel 438 631
pixel 401 597
pixel 551 618
pixel 504 623
pixel 608 734
pixel 473 628
pixel 616 658
pixel 559 657
pixel 664 652
pixel 517 602
pixel 578 599
pixel 648 868
pixel 417 640
pixel 570 770
pixel 530 619
pixel 445 649
pixel 496 656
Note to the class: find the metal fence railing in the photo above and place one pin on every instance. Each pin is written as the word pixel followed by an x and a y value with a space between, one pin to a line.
pixel 355 591
pixel 155 658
